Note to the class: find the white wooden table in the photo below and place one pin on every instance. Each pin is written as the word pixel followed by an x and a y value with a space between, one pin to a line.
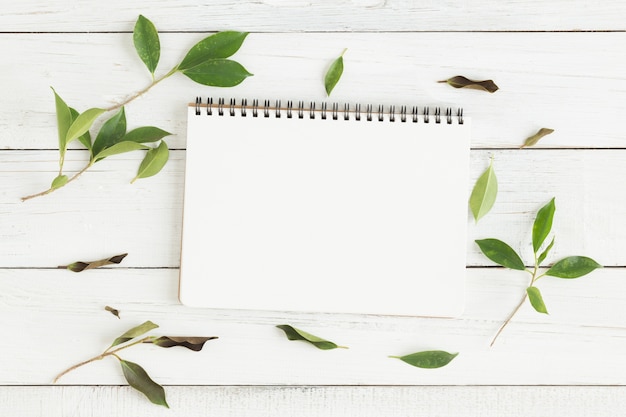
pixel 559 64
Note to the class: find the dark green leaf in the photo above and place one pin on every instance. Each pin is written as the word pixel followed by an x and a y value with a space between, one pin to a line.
pixel 64 121
pixel 573 267
pixel 543 255
pixel 501 253
pixel 145 134
pixel 82 124
pixel 85 139
pixel 484 193
pixel 194 343
pixel 118 148
pixel 82 266
pixel 218 73
pixel 334 73
pixel 218 46
pixel 428 359
pixel 111 132
pixel 536 300
pixel 296 334
pixel 532 140
pixel 139 379
pixel 153 162
pixel 113 311
pixel 461 82
pixel 59 182
pixel 134 332
pixel 146 39
pixel 543 224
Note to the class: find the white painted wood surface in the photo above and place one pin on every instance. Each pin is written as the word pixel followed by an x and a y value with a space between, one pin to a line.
pixel 550 75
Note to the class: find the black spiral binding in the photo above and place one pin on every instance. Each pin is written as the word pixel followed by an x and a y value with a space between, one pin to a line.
pixel 267 109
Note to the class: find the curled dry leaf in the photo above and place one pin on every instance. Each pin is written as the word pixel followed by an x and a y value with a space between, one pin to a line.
pixel 532 140
pixel 193 343
pixel 113 311
pixel 296 334
pixel 83 266
pixel 462 82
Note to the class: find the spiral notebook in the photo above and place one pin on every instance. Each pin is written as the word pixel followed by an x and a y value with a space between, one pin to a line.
pixel 325 208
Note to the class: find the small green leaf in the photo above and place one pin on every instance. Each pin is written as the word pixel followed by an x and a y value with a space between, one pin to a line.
pixel 194 343
pixel 146 39
pixel 59 182
pixel 139 379
pixel 462 82
pixel 134 332
pixel 113 311
pixel 296 334
pixel 501 253
pixel 218 73
pixel 543 224
pixel 145 134
pixel 218 46
pixel 334 73
pixel 82 266
pixel 573 267
pixel 532 140
pixel 111 132
pixel 543 255
pixel 153 162
pixel 429 359
pixel 64 121
pixel 82 124
pixel 536 300
pixel 120 147
pixel 86 138
pixel 484 193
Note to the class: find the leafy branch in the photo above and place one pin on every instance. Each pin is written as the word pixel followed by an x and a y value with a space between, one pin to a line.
pixel 568 268
pixel 205 63
pixel 134 374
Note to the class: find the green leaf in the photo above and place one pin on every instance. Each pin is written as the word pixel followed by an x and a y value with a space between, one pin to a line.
pixel 573 267
pixel 153 162
pixel 484 193
pixel 64 121
pixel 134 332
pixel 146 39
pixel 83 266
pixel 85 139
pixel 462 82
pixel 334 73
pixel 82 124
pixel 139 379
pixel 543 255
pixel 532 140
pixel 194 343
pixel 120 147
pixel 543 224
pixel 296 334
pixel 219 45
pixel 536 300
pixel 111 132
pixel 59 182
pixel 501 253
pixel 218 73
pixel 429 359
pixel 145 134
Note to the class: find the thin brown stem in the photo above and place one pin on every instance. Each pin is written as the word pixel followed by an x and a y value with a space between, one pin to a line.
pixel 49 190
pixel 141 92
pixel 506 322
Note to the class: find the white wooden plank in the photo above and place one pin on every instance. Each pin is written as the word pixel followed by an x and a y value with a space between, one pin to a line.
pixel 57 318
pixel 101 214
pixel 316 401
pixel 296 16
pixel 574 83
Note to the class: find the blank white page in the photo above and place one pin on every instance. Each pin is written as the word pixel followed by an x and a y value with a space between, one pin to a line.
pixel 325 215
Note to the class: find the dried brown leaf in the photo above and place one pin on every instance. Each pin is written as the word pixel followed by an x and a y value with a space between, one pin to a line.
pixel 190 342
pixel 532 140
pixel 113 311
pixel 83 266
pixel 462 82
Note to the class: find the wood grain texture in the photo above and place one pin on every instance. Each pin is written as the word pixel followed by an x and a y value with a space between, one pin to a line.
pixel 570 82
pixel 304 15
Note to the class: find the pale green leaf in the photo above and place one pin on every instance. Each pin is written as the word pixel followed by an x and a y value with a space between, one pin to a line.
pixel 134 332
pixel 139 379
pixel 334 74
pixel 85 139
pixel 218 46
pixel 544 254
pixel 293 333
pixel 573 267
pixel 536 300
pixel 59 181
pixel 484 193
pixel 218 73
pixel 82 124
pixel 120 147
pixel 64 121
pixel 147 45
pixel 145 134
pixel 532 140
pixel 111 132
pixel 501 253
pixel 429 359
pixel 153 162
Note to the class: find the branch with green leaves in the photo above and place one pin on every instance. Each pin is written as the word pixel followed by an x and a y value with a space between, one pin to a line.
pixel 206 63
pixel 134 374
pixel 567 268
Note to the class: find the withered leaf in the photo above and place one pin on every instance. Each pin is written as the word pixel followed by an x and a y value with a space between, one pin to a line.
pixel 83 266
pixel 193 343
pixel 461 82
pixel 113 311
pixel 532 140
pixel 134 332
pixel 296 334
